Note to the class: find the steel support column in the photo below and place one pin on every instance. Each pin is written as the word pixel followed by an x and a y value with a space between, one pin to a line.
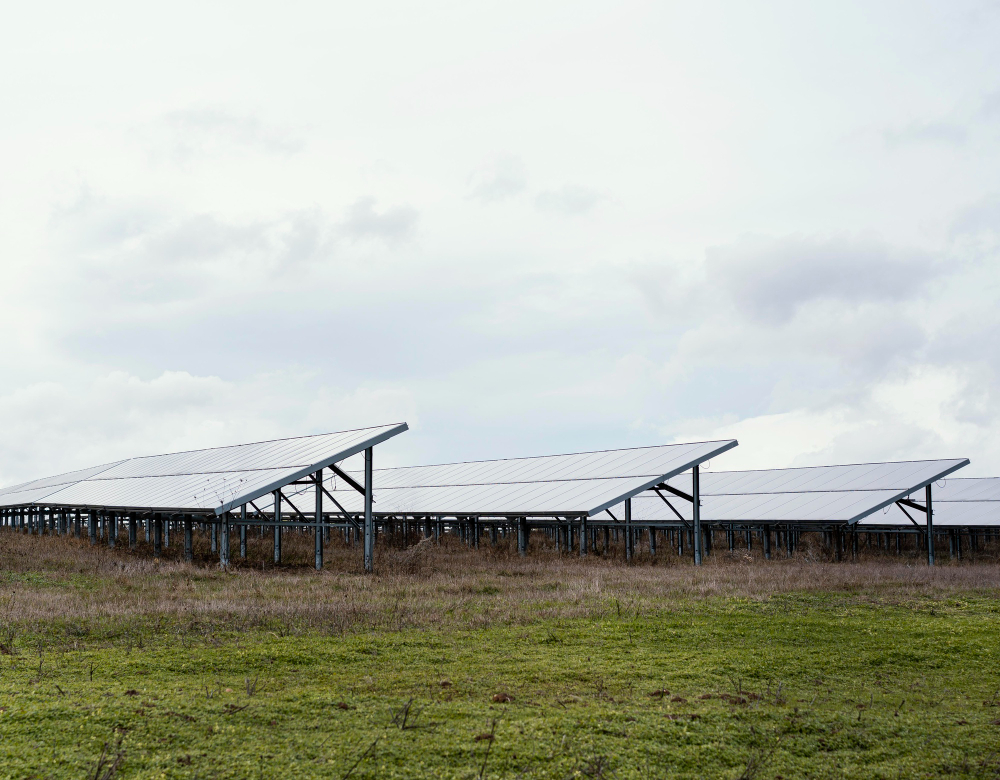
pixel 157 535
pixel 318 476
pixel 243 531
pixel 369 523
pixel 277 526
pixel 696 512
pixel 629 541
pixel 188 541
pixel 224 540
pixel 929 508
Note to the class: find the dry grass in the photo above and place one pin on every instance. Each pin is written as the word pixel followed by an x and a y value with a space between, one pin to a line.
pixel 64 585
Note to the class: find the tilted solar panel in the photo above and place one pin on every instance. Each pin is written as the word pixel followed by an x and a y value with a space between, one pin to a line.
pixel 571 484
pixel 210 479
pixel 840 494
pixel 972 501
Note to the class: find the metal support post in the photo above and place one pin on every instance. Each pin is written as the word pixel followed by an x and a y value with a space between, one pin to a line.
pixel 224 540
pixel 318 476
pixel 369 524
pixel 131 531
pixel 188 541
pixel 930 524
pixel 522 536
pixel 92 525
pixel 584 537
pixel 629 542
pixel 766 530
pixel 277 526
pixel 157 535
pixel 243 531
pixel 696 512
pixel 112 529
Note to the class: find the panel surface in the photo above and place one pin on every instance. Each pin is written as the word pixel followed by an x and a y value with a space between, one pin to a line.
pixel 837 494
pixel 957 502
pixel 572 484
pixel 211 479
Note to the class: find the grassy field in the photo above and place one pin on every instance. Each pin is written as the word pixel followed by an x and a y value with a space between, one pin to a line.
pixel 455 663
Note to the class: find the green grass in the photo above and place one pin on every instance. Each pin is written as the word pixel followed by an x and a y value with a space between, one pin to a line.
pixel 807 684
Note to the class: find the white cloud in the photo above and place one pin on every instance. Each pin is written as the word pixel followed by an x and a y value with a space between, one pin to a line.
pixel 569 200
pixel 772 279
pixel 947 133
pixel 774 265
pixel 501 179
pixel 205 132
pixel 397 223
pixel 913 415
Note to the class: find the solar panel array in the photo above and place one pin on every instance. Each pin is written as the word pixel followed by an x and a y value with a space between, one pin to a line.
pixel 210 479
pixel 840 494
pixel 573 484
pixel 962 501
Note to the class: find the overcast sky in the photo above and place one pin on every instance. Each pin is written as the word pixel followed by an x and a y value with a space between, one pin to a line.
pixel 523 228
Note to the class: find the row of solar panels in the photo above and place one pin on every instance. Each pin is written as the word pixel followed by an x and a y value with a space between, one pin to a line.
pixel 591 483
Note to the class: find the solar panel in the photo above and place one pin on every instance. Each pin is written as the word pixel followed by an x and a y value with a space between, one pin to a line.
pixel 68 478
pixel 211 479
pixel 838 494
pixel 958 502
pixel 571 484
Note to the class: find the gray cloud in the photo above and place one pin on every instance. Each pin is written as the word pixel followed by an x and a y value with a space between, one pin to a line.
pixel 569 200
pixel 991 105
pixel 978 218
pixel 393 225
pixel 771 279
pixel 512 329
pixel 504 178
pixel 202 130
pixel 946 133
